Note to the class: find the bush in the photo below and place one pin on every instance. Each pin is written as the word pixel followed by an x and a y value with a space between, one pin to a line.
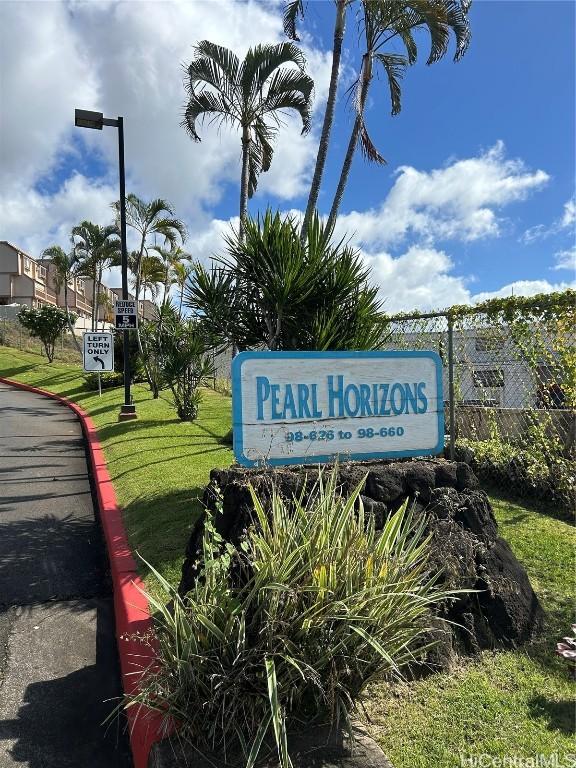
pixel 521 470
pixel 136 368
pixel 288 628
pixel 274 291
pixel 108 380
pixel 46 323
pixel 177 357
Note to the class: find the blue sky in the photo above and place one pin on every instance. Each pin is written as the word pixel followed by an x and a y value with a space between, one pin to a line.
pixel 476 199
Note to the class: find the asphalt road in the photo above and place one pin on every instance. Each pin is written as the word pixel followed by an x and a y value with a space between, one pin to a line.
pixel 59 676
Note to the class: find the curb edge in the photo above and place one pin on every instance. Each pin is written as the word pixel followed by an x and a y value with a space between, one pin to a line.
pixel 131 608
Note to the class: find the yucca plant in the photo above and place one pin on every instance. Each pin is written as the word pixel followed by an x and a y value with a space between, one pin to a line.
pixel 274 291
pixel 183 360
pixel 288 628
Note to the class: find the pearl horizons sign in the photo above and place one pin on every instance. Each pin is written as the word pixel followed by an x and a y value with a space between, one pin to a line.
pixel 313 407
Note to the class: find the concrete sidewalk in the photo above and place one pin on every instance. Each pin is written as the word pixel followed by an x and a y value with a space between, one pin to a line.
pixel 58 663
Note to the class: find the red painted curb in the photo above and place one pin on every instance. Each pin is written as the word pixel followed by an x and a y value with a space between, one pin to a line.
pixel 130 604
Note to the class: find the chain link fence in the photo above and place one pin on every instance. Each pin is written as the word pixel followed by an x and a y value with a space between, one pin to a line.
pixel 509 387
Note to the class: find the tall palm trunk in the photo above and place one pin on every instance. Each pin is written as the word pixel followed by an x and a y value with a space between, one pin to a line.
pixel 166 274
pixel 244 179
pixel 97 301
pixel 366 78
pixel 339 28
pixel 94 292
pixel 181 299
pixel 70 326
pixel 243 202
pixel 143 356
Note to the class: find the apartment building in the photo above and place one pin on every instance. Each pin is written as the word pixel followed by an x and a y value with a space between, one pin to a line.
pixel 23 280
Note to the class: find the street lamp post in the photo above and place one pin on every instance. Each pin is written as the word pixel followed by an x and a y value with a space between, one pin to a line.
pixel 87 119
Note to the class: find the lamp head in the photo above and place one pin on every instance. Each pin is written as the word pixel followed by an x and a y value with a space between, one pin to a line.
pixel 86 119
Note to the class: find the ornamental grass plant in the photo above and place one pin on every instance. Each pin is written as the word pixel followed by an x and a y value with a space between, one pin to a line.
pixel 287 629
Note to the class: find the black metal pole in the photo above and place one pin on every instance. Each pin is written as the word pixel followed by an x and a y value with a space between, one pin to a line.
pixel 451 387
pixel 128 410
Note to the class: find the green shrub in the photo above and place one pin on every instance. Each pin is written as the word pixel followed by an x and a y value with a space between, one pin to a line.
pixel 137 372
pixel 290 627
pixel 223 386
pixel 524 471
pixel 108 380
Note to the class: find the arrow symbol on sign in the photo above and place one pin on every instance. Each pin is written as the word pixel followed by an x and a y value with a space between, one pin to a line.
pixel 99 360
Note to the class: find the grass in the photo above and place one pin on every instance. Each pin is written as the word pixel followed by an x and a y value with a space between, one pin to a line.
pixel 504 704
pixel 514 703
pixel 158 464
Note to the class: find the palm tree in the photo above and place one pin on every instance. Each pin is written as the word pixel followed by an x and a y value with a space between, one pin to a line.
pixel 105 303
pixel 150 219
pixel 251 95
pixel 96 248
pixel 65 267
pixel 383 21
pixel 172 260
pixel 291 12
pixel 151 275
pixel 182 272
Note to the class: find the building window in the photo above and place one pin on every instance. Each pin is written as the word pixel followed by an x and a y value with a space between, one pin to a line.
pixel 42 272
pixel 27 264
pixel 491 377
pixel 489 342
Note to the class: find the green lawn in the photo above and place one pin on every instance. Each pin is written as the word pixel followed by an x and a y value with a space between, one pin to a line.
pixel 504 704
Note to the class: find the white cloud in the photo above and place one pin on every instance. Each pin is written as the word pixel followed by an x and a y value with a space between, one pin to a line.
pixel 126 58
pixel 569 215
pixel 542 231
pixel 566 259
pixel 34 221
pixel 461 201
pixel 521 288
pixel 418 279
pixel 44 75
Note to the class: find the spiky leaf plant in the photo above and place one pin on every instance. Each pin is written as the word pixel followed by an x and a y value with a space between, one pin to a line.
pixel 288 629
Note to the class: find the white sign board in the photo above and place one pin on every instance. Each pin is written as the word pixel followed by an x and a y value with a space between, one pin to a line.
pixel 312 407
pixel 98 351
pixel 125 313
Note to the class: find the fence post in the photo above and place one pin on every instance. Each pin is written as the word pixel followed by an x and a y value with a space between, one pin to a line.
pixel 451 385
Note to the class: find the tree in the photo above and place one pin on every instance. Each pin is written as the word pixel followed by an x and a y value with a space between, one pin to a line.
pixel 383 21
pixel 148 220
pixel 182 272
pixel 46 323
pixel 172 260
pixel 151 274
pixel 293 295
pixel 96 248
pixel 252 96
pixel 178 357
pixel 152 219
pixel 291 12
pixel 106 304
pixel 65 267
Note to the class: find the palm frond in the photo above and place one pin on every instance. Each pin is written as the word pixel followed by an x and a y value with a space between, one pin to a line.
pixel 201 104
pixel 395 66
pixel 290 89
pixel 226 59
pixel 261 61
pixel 292 10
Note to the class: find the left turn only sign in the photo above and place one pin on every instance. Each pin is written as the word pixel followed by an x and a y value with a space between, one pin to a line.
pixel 98 351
